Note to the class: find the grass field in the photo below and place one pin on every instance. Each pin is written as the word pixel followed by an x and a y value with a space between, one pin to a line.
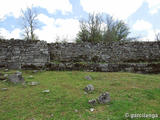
pixel 130 93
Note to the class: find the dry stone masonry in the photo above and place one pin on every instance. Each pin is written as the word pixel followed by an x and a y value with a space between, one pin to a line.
pixel 113 57
pixel 19 54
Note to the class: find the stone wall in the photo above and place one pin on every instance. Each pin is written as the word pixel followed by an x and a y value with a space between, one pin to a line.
pixel 20 54
pixel 109 53
pixel 113 57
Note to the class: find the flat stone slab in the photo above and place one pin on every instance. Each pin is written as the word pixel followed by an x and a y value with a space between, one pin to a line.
pixel 16 78
pixel 33 83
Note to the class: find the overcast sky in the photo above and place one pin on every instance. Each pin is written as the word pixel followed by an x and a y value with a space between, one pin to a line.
pixel 61 17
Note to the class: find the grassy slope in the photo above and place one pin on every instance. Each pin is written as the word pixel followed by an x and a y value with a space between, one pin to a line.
pixel 130 93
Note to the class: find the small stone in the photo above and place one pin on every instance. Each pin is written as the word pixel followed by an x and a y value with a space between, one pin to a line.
pixel 4 89
pixel 88 77
pixel 92 102
pixel 2 78
pixel 1 74
pixel 76 110
pixel 85 93
pixel 52 115
pixel 91 109
pixel 46 91
pixel 18 73
pixel 89 88
pixel 6 70
pixel 5 75
pixel 35 71
pixel 30 77
pixel 33 83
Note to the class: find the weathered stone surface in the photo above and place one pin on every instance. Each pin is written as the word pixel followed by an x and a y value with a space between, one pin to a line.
pixel 46 91
pixel 88 77
pixel 34 71
pixel 20 54
pixel 91 109
pixel 33 83
pixel 4 89
pixel 104 98
pixel 2 78
pixel 111 57
pixel 89 88
pixel 1 74
pixel 16 78
pixel 5 75
pixel 92 102
pixel 114 52
pixel 6 70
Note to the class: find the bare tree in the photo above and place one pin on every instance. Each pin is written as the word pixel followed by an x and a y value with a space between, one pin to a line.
pixel 30 22
pixel 157 37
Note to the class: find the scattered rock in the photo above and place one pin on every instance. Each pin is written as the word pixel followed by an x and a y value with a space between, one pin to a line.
pixel 85 93
pixel 104 98
pixel 91 109
pixel 88 77
pixel 33 83
pixel 1 74
pixel 92 102
pixel 4 89
pixel 89 88
pixel 6 70
pixel 76 110
pixel 2 78
pixel 30 77
pixel 46 91
pixel 35 71
pixel 16 78
pixel 5 75
pixel 18 73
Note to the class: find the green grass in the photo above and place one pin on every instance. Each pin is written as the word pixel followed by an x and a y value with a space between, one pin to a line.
pixel 130 93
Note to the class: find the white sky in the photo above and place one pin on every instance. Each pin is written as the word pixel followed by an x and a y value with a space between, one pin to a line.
pixel 69 27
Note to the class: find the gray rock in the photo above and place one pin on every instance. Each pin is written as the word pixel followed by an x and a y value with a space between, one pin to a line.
pixel 6 70
pixel 19 73
pixel 76 110
pixel 33 83
pixel 89 88
pixel 104 98
pixel 92 109
pixel 88 77
pixel 16 78
pixel 30 77
pixel 46 91
pixel 5 75
pixel 92 102
pixel 4 89
pixel 1 74
pixel 2 78
pixel 35 71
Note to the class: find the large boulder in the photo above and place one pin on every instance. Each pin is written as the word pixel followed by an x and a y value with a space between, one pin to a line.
pixel 16 78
